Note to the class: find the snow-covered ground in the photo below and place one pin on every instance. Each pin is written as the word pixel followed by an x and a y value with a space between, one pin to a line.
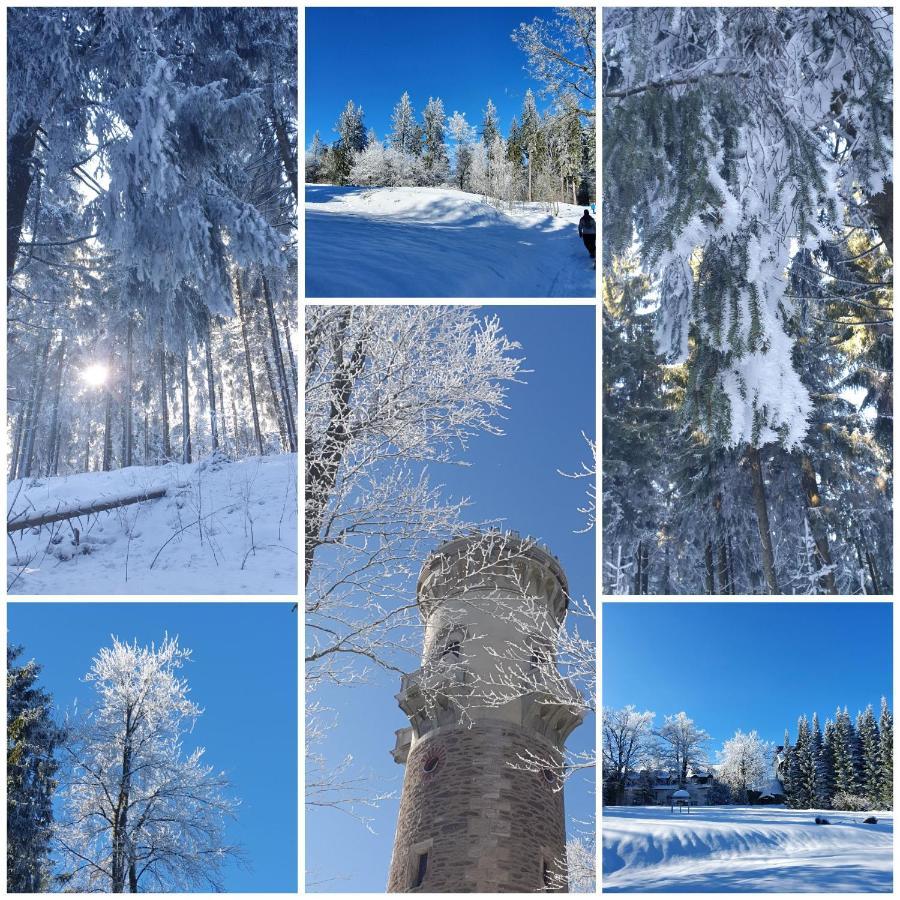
pixel 439 242
pixel 222 528
pixel 745 848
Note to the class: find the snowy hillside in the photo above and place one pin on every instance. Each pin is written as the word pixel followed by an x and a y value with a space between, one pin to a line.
pixel 439 242
pixel 759 848
pixel 221 528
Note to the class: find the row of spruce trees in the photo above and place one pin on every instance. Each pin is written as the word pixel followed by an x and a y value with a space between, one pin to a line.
pixel 547 156
pixel 844 766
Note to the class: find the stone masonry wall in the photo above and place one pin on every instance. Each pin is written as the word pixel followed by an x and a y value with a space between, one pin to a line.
pixel 491 826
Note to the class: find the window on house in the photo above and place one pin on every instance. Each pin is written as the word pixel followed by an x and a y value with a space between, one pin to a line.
pixel 421 869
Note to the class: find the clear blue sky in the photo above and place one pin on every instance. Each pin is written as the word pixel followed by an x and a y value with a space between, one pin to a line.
pixel 243 674
pixel 747 666
pixel 372 55
pixel 513 477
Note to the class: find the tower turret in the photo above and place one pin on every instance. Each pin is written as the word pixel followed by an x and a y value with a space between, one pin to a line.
pixel 482 802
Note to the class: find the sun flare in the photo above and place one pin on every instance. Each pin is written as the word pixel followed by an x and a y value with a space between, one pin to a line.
pixel 95 375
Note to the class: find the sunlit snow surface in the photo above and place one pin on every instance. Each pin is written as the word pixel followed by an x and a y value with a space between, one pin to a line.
pixel 439 242
pixel 247 543
pixel 757 848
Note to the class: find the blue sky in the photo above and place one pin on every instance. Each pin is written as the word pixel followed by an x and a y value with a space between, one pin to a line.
pixel 746 666
pixel 243 674
pixel 372 55
pixel 514 477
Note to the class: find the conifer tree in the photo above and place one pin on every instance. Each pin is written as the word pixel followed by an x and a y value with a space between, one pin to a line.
pixel 405 133
pixel 786 770
pixel 435 148
pixel 490 126
pixel 805 767
pixel 530 138
pixel 867 731
pixel 845 781
pixel 886 756
pixel 32 739
pixel 823 790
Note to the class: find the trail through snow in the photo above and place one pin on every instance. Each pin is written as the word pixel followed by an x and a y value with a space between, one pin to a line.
pixel 440 242
pixel 745 848
pixel 222 528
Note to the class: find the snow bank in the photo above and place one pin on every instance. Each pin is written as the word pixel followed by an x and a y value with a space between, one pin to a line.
pixel 439 242
pixel 758 848
pixel 222 528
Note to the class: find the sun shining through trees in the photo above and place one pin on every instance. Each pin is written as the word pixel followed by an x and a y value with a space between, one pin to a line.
pixel 95 375
pixel 152 272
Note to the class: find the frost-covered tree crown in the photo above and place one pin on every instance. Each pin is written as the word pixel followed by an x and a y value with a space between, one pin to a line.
pixel 140 811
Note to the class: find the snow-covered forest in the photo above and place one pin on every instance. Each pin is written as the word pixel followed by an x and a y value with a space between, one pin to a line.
pixel 152 200
pixel 549 155
pixel 747 301
pixel 431 179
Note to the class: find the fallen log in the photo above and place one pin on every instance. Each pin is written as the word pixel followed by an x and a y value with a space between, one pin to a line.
pixel 60 515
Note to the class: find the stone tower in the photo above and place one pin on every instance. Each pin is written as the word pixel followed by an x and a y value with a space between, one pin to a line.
pixel 482 802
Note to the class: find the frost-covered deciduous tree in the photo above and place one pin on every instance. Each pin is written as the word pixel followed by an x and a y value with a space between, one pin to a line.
pixel 139 812
pixel 683 745
pixel 32 742
pixel 390 393
pixel 562 53
pixel 744 763
pixel 627 736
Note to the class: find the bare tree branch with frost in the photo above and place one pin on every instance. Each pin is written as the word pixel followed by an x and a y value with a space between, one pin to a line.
pixel 139 813
pixel 388 392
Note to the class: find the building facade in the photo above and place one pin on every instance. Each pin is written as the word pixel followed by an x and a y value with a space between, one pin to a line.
pixel 482 803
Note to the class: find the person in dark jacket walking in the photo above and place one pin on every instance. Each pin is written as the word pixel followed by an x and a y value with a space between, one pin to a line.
pixel 587 231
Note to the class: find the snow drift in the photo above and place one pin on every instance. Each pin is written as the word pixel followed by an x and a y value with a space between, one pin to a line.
pixel 221 528
pixel 758 848
pixel 439 242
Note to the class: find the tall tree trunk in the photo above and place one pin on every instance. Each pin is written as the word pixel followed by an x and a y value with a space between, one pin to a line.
pixel 211 387
pixel 873 572
pixel 164 397
pixel 128 429
pixel 645 570
pixel 638 568
pixel 813 516
pixel 250 382
pixel 762 518
pixel 107 430
pixel 225 440
pixel 290 350
pixel 281 371
pixel 37 400
pixel 185 410
pixel 276 402
pixel 53 443
pixel 710 572
pixel 146 458
pixel 234 418
pixel 322 463
pixel 288 160
pixel 731 580
pixel 20 174
pixel 17 443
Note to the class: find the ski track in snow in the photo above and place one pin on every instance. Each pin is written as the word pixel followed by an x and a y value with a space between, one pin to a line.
pixel 439 242
pixel 248 510
pixel 757 848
